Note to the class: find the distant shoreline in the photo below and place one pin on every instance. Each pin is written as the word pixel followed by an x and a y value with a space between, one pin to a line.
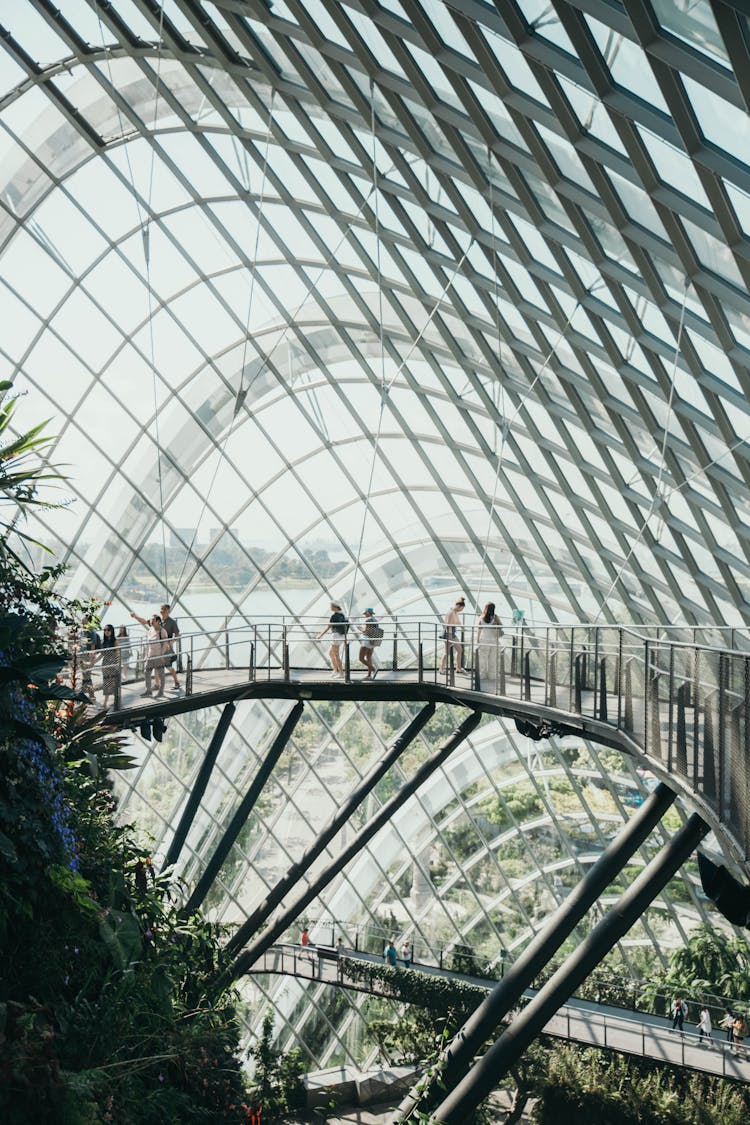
pixel 149 593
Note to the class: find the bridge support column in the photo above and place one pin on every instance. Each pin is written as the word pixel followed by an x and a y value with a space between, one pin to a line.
pixel 199 786
pixel 680 756
pixel 304 897
pixel 602 716
pixel 628 712
pixel 246 806
pixel 457 1057
pixel 484 1076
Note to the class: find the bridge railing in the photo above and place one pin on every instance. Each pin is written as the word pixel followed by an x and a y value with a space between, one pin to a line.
pixel 648 1035
pixel 684 703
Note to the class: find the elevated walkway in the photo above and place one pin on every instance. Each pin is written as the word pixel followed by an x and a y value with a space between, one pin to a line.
pixel 580 1021
pixel 678 706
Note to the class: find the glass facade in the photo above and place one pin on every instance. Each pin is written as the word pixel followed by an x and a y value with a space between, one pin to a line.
pixel 442 297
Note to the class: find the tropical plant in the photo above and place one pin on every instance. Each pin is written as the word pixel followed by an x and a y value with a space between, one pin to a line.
pixel 277 1079
pixel 579 1083
pixel 21 470
pixel 106 1005
pixel 712 964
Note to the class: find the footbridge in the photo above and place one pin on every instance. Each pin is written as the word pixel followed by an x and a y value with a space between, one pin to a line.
pixel 625 1030
pixel 674 702
pixel 679 705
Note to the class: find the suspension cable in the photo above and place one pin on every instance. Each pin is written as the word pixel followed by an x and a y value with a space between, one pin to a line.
pixel 144 220
pixel 383 389
pixel 501 380
pixel 508 422
pixel 146 236
pixel 241 392
pixel 657 499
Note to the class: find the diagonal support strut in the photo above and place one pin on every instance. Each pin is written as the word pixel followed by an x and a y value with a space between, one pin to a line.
pixel 199 787
pixel 467 1043
pixel 244 809
pixel 301 900
pixel 460 1102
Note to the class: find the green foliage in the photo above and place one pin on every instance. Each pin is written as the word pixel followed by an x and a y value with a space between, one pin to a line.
pixel 107 1011
pixel 436 994
pixel 599 1086
pixel 404 1037
pixel 277 1080
pixel 712 963
pixel 20 471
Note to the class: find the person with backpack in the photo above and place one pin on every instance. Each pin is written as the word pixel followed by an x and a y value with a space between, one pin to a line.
pixel 739 1031
pixel 727 1022
pixel 679 1013
pixel 338 624
pixel 372 635
pixel 453 636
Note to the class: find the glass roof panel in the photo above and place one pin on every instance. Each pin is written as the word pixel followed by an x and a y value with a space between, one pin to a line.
pixel 499 337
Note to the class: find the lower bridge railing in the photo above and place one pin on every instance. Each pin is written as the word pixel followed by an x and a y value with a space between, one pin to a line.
pixel 635 1033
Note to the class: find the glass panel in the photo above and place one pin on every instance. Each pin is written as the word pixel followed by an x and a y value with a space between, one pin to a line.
pixel 694 23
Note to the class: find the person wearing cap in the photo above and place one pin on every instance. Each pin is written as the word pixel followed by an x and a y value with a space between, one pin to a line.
pixel 453 634
pixel 366 644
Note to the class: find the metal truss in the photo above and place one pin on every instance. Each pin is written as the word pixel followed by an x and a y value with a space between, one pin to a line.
pixel 534 171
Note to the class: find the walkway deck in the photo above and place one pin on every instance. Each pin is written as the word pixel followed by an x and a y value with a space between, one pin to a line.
pixel 693 740
pixel 581 1021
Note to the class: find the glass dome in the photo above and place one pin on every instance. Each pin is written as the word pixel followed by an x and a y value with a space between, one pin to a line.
pixel 381 307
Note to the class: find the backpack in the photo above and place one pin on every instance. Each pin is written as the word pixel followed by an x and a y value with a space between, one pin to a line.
pixel 376 635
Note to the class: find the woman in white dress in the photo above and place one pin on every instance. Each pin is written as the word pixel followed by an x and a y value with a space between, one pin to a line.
pixel 489 632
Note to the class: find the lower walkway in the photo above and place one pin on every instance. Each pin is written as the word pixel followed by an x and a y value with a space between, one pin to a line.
pixel 580 1021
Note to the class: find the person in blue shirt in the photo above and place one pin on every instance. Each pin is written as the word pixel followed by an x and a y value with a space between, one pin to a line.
pixel 390 956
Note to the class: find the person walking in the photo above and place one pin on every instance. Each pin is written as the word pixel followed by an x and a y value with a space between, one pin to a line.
pixel 371 633
pixel 304 937
pixel 110 657
pixel 338 625
pixel 739 1031
pixel 407 954
pixel 679 1012
pixel 727 1023
pixel 453 635
pixel 489 632
pixel 169 625
pixel 704 1025
pixel 390 956
pixel 156 653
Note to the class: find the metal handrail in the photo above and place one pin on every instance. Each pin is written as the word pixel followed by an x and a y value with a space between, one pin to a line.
pixel 685 706
pixel 328 964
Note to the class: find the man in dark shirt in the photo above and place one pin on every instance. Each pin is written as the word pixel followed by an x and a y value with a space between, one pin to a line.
pixel 170 627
